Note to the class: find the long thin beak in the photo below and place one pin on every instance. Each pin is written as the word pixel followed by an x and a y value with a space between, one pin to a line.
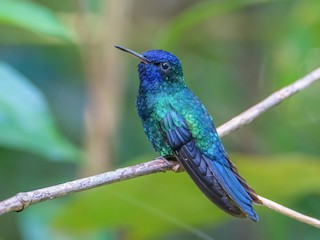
pixel 138 55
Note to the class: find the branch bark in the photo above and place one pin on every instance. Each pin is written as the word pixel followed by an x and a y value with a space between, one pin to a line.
pixel 24 199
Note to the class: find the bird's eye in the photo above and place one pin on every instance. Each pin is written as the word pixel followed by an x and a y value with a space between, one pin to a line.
pixel 165 66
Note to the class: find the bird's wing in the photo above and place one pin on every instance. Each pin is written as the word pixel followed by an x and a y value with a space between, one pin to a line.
pixel 213 174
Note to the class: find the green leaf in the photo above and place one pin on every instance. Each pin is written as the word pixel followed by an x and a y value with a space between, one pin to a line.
pixel 25 120
pixel 153 205
pixel 33 17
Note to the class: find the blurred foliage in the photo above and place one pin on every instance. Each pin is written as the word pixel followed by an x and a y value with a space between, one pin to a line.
pixel 173 33
pixel 151 205
pixel 33 17
pixel 26 122
pixel 234 54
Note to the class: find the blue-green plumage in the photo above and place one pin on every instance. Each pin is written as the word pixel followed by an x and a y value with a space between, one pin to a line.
pixel 177 124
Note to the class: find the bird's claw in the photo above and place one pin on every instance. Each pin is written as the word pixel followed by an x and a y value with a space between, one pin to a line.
pixel 172 161
pixel 177 168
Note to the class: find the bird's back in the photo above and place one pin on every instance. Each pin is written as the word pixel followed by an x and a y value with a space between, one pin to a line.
pixel 178 124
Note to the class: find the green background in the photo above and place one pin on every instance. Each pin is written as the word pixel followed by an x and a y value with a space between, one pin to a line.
pixel 61 77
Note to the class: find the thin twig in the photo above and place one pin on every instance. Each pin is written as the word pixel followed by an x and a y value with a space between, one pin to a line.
pixel 274 99
pixel 22 200
pixel 289 212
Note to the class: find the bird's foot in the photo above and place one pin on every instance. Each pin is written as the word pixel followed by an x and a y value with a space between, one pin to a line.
pixel 172 161
pixel 178 168
pixel 166 159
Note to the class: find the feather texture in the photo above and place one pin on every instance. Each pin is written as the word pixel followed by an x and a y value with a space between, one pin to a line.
pixel 177 124
pixel 212 174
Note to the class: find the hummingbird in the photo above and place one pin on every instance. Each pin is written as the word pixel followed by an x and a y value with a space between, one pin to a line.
pixel 179 126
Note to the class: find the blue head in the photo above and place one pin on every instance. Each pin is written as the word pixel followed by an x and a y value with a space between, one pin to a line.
pixel 158 70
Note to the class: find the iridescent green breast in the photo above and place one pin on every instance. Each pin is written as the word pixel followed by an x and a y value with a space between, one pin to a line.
pixel 188 106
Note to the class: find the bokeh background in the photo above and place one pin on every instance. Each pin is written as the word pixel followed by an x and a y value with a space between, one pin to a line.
pixel 67 110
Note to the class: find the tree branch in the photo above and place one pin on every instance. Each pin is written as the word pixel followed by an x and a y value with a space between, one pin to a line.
pixel 273 100
pixel 22 200
pixel 289 212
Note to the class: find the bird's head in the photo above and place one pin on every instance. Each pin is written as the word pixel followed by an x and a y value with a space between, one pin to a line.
pixel 158 69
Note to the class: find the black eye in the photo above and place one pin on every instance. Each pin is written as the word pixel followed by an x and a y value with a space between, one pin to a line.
pixel 165 66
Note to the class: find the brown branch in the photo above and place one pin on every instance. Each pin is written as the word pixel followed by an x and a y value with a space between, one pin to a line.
pixel 23 200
